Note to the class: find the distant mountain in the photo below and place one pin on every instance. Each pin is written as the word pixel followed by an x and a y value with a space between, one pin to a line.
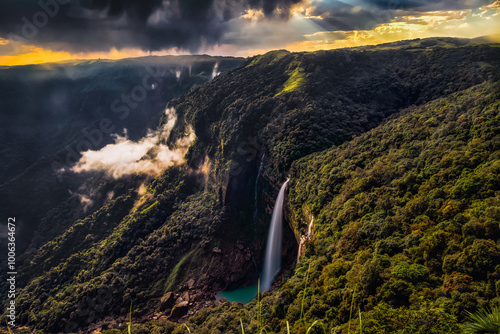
pixel 167 241
pixel 432 43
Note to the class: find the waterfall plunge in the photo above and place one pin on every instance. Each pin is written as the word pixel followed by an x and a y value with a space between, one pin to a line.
pixel 272 261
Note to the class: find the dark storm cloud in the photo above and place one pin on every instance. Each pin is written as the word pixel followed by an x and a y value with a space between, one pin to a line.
pixel 338 15
pixel 95 25
pixel 427 5
pixel 366 14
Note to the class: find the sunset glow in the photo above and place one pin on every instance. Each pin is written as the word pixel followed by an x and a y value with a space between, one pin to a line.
pixel 308 26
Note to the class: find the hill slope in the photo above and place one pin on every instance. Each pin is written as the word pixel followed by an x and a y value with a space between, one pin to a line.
pixel 406 227
pixel 195 222
pixel 51 113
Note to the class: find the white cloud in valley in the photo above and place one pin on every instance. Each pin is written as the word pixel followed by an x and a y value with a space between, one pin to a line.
pixel 146 156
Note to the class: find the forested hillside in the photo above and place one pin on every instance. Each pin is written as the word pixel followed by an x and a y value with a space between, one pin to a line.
pixel 406 228
pixel 400 212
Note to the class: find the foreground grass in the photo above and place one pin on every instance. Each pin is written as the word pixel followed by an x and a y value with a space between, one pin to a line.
pixel 483 321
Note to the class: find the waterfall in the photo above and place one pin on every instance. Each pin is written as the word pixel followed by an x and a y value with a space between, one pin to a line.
pixel 272 261
pixel 303 240
pixel 215 71
pixel 256 191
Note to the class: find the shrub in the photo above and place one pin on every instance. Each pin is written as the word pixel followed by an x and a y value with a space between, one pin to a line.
pixel 384 319
pixel 479 258
pixel 457 282
pixel 389 246
pixel 396 292
pixel 410 272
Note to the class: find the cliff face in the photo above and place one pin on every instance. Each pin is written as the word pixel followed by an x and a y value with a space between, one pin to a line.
pixel 190 229
pixel 406 227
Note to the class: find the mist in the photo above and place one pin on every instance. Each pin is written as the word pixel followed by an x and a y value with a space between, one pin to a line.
pixel 146 156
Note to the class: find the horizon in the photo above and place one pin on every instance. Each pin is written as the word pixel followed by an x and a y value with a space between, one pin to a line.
pixel 494 39
pixel 61 30
pixel 249 166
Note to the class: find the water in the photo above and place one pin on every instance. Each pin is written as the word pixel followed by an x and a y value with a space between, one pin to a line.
pixel 303 240
pixel 215 71
pixel 242 295
pixel 272 261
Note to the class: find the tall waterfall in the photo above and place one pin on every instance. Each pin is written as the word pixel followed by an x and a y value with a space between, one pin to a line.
pixel 272 261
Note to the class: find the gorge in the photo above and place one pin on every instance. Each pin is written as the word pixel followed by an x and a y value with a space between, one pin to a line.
pixel 392 156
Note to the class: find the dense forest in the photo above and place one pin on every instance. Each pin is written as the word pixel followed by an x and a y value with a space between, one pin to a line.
pixel 392 151
pixel 406 228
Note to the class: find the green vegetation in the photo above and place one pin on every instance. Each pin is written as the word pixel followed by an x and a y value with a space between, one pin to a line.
pixel 399 171
pixel 483 321
pixel 173 278
pixel 420 44
pixel 146 210
pixel 268 58
pixel 407 207
pixel 406 235
pixel 294 82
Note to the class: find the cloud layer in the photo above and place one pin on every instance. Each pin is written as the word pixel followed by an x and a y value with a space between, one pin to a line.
pixel 85 25
pixel 59 29
pixel 334 15
pixel 146 156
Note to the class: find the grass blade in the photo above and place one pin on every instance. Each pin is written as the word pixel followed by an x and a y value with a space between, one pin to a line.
pixel 304 294
pixel 242 329
pixel 258 304
pixel 350 313
pixel 360 323
pixel 129 324
pixel 314 323
pixel 483 321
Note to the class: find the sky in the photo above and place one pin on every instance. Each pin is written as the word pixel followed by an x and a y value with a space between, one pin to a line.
pixel 36 31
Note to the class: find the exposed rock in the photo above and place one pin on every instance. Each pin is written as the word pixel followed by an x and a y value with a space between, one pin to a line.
pixel 216 250
pixel 185 296
pixel 190 284
pixel 179 310
pixel 167 301
pixel 304 239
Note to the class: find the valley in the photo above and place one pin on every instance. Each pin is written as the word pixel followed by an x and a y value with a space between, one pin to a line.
pixel 383 163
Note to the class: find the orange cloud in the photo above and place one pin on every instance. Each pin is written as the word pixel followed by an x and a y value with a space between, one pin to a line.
pixel 496 4
pixel 406 25
pixel 33 55
pixel 463 23
pixel 29 54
